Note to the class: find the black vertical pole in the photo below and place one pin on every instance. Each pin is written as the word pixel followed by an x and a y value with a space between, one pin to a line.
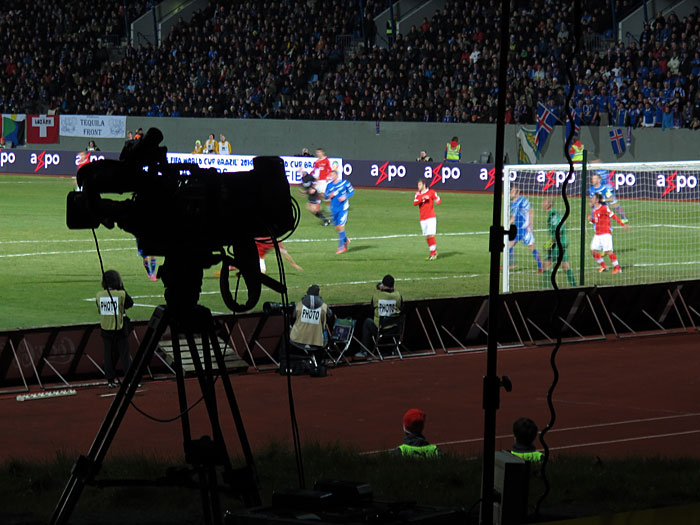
pixel 392 21
pixel 584 210
pixel 614 20
pixel 492 383
pixel 127 33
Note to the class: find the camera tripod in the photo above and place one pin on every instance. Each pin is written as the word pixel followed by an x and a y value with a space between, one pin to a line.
pixel 204 454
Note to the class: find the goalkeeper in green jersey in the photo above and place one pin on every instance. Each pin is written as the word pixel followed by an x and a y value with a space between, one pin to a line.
pixel 551 248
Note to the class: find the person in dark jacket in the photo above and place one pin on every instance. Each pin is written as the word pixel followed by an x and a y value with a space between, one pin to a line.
pixel 414 443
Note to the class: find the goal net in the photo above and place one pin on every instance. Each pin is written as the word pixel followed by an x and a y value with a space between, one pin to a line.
pixel 659 202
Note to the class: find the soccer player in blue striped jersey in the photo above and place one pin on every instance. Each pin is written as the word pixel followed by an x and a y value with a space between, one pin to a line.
pixel 521 216
pixel 602 184
pixel 339 191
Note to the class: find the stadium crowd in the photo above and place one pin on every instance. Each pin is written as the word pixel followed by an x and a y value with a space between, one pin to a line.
pixel 282 59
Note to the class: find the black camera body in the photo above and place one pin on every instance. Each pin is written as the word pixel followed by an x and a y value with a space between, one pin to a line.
pixel 181 207
pixel 278 308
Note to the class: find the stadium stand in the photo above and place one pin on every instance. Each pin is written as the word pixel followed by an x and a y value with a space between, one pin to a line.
pixel 306 60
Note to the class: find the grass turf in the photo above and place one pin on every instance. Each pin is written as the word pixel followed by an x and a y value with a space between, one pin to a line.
pixel 580 486
pixel 49 274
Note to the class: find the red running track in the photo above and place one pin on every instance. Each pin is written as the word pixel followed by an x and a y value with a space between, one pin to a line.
pixel 636 396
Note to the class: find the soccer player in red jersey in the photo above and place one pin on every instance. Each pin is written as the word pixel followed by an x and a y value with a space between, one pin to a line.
pixel 322 168
pixel 602 244
pixel 426 198
pixel 264 244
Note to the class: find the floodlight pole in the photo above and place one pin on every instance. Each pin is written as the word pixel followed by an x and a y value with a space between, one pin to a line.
pixel 492 383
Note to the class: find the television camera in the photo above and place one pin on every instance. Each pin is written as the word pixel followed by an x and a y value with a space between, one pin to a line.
pixel 188 214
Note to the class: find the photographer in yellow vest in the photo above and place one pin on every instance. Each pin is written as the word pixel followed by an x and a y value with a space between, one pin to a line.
pixel 112 301
pixel 312 315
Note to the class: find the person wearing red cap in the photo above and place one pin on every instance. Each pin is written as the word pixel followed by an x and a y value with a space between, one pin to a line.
pixel 414 443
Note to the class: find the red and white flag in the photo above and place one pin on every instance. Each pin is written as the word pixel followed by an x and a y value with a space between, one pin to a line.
pixel 42 129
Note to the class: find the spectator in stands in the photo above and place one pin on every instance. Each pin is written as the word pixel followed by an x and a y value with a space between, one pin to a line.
pixel 525 432
pixel 231 61
pixel 198 148
pixel 414 443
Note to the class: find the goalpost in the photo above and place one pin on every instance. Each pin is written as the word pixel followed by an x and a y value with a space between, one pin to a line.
pixel 659 201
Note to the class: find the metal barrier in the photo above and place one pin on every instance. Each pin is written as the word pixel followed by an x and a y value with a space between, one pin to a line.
pixel 68 356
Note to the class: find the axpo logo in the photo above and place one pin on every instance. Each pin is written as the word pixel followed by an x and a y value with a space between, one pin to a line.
pixel 386 172
pixel 44 160
pixel 675 182
pixel 441 173
pixel 489 176
pixel 7 157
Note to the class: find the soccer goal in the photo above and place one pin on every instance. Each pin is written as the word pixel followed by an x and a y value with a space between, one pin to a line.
pixel 659 202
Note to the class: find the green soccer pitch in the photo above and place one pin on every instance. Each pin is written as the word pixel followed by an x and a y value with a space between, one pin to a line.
pixel 49 274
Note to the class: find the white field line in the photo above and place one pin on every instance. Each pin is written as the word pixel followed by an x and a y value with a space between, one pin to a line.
pixel 583 427
pixel 344 283
pixel 366 238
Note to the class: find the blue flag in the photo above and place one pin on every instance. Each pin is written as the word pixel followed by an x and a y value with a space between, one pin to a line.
pixel 546 120
pixel 617 141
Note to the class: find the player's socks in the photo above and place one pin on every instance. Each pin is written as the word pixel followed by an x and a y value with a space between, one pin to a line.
pixel 322 217
pixel 536 255
pixel 613 260
pixel 546 278
pixel 570 277
pixel 432 246
pixel 511 257
pixel 342 238
pixel 145 265
pixel 152 266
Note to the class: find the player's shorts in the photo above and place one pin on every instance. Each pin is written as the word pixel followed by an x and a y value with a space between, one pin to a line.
pixel 321 186
pixel 527 238
pixel 602 243
pixel 429 226
pixel 340 217
pixel 314 198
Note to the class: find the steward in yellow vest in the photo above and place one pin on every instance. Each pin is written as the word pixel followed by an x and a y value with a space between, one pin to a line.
pixel 525 432
pixel 576 152
pixel 453 150
pixel 414 443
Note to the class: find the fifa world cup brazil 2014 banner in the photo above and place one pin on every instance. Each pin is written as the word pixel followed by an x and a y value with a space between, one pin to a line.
pixel 93 126
pixel 293 166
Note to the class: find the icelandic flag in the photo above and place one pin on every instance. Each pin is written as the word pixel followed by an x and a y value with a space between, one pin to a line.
pixel 577 124
pixel 546 120
pixel 617 141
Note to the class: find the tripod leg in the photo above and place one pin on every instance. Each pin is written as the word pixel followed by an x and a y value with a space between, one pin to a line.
pixel 87 467
pixel 249 490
